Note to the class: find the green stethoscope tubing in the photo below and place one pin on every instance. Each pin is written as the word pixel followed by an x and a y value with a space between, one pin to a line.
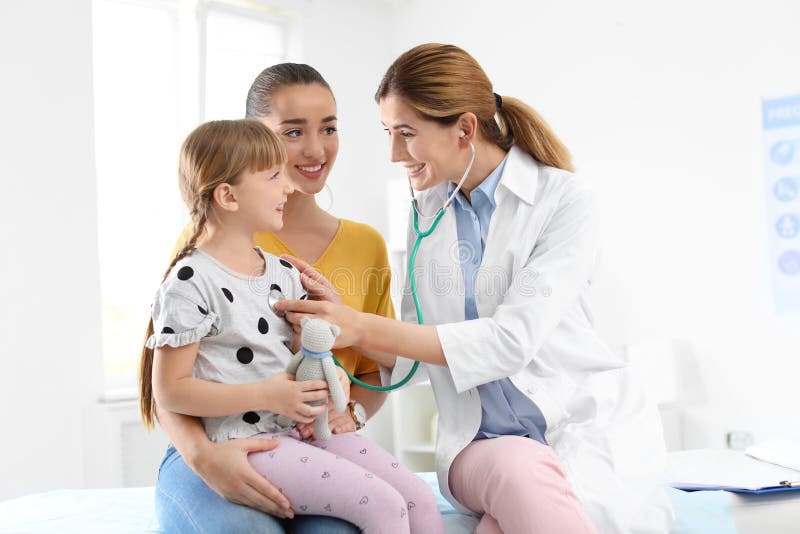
pixel 411 262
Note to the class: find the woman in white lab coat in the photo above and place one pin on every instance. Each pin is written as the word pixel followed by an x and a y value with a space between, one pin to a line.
pixel 541 428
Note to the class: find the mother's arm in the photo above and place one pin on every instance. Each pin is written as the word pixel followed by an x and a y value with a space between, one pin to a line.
pixel 224 466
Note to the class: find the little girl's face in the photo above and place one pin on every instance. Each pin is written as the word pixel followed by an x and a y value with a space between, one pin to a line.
pixel 260 197
pixel 304 117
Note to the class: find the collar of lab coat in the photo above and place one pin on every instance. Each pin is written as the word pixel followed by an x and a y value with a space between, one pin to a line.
pixel 520 176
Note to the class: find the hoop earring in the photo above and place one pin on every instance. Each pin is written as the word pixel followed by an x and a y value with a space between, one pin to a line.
pixel 330 197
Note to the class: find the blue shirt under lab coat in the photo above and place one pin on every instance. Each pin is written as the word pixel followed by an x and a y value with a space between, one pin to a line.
pixel 505 410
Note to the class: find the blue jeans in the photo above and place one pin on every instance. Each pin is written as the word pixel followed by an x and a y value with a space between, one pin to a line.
pixel 185 504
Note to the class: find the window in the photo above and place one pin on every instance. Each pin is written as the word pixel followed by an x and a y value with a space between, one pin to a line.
pixel 237 49
pixel 148 96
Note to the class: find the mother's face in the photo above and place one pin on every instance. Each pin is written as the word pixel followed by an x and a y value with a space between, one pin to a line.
pixel 304 117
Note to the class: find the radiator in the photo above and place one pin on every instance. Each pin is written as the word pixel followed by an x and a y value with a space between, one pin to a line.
pixel 120 451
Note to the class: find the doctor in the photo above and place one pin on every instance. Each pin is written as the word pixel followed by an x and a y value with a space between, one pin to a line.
pixel 541 428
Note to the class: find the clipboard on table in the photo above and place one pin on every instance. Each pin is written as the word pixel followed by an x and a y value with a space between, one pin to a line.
pixel 711 469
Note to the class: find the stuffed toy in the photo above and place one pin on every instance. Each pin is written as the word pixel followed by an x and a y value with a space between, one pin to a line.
pixel 315 362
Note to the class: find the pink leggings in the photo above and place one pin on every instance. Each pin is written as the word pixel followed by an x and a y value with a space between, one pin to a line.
pixel 518 485
pixel 351 478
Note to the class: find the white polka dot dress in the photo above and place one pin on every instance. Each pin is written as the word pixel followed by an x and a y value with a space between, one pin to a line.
pixel 241 338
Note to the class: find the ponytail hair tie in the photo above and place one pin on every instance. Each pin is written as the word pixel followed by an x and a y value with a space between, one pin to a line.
pixel 498 100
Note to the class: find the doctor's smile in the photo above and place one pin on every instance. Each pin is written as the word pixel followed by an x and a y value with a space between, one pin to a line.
pixel 415 170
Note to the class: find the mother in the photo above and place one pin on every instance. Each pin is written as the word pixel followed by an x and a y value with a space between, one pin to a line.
pixel 225 494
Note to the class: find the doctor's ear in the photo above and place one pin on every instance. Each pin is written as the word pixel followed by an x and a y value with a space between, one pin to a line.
pixel 467 126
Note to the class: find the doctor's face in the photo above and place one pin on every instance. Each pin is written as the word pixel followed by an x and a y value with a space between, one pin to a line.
pixel 430 152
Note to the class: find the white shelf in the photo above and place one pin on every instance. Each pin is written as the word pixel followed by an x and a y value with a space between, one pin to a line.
pixel 404 426
pixel 425 448
pixel 414 413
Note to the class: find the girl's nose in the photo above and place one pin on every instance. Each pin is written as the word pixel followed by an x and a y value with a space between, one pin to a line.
pixel 288 186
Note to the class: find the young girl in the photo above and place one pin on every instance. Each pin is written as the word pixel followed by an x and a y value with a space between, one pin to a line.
pixel 216 350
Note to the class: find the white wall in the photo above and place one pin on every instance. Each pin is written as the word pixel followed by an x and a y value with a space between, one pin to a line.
pixel 346 41
pixel 49 287
pixel 660 104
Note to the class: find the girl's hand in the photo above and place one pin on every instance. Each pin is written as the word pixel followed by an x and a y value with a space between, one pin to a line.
pixel 348 319
pixel 337 421
pixel 284 396
pixel 224 467
pixel 317 286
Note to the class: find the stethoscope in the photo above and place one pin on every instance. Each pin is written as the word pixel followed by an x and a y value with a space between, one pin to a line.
pixel 275 295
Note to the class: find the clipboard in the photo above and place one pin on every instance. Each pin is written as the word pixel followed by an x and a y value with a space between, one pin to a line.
pixel 727 470
pixel 790 487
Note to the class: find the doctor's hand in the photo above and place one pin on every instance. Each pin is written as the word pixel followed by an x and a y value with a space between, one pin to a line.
pixel 345 317
pixel 317 286
pixel 224 467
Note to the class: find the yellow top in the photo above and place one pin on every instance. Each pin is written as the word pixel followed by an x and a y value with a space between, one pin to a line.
pixel 356 264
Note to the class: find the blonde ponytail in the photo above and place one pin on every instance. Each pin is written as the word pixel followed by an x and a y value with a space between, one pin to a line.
pixel 147 404
pixel 531 133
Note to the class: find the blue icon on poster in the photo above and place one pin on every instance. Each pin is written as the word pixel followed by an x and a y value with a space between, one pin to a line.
pixel 782 152
pixel 788 226
pixel 785 189
pixel 789 262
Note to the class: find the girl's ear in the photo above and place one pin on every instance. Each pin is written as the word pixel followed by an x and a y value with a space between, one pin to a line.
pixel 335 330
pixel 225 198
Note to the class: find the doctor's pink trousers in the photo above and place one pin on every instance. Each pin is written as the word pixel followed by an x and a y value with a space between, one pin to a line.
pixel 519 486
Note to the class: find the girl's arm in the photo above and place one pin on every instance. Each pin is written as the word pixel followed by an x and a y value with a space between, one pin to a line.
pixel 176 390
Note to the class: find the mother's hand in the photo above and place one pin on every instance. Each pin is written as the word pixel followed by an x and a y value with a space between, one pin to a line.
pixel 224 467
pixel 317 286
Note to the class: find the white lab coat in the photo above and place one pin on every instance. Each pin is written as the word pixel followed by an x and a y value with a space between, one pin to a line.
pixel 535 327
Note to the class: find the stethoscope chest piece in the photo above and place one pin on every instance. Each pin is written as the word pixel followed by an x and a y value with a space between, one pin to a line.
pixel 275 296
